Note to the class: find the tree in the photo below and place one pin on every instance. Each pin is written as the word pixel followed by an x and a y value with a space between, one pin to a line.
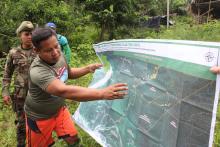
pixel 108 15
pixel 13 12
pixel 158 7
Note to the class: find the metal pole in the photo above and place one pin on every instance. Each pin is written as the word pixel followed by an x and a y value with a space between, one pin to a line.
pixel 168 13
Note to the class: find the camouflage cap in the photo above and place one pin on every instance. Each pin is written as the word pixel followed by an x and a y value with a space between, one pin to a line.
pixel 25 26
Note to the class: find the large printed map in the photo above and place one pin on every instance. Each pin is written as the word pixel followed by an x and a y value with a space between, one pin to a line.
pixel 172 98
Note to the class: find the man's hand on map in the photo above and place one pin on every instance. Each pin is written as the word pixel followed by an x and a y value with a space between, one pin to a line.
pixel 116 91
pixel 215 69
pixel 93 67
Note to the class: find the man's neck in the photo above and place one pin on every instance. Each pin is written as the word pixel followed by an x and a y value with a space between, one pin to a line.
pixel 24 46
pixel 50 64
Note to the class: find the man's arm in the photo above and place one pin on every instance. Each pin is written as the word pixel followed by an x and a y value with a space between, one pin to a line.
pixel 6 80
pixel 67 52
pixel 79 72
pixel 77 93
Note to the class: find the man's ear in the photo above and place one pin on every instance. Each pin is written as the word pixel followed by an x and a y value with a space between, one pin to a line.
pixel 37 50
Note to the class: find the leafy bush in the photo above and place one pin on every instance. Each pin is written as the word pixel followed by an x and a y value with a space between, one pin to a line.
pixel 81 43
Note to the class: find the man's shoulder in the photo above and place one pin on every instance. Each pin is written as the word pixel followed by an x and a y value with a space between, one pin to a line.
pixel 37 63
pixel 38 70
pixel 62 39
pixel 15 50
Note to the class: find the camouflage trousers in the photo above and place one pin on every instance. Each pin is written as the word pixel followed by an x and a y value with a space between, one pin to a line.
pixel 18 107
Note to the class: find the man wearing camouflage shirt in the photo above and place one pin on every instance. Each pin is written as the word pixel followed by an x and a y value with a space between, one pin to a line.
pixel 18 62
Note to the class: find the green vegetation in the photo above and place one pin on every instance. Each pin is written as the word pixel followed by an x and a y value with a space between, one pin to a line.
pixel 217 129
pixel 85 22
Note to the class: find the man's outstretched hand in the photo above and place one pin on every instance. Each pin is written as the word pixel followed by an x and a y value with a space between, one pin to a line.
pixel 116 91
pixel 93 67
pixel 215 69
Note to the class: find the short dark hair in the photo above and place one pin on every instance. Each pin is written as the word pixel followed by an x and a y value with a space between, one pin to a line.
pixel 41 34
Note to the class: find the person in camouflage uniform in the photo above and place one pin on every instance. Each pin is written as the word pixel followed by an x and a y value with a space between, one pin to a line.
pixel 18 62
